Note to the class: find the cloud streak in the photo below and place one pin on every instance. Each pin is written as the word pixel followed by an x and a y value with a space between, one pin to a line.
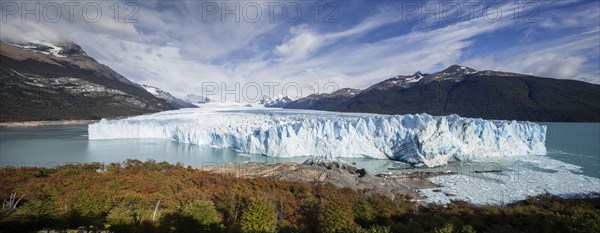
pixel 174 47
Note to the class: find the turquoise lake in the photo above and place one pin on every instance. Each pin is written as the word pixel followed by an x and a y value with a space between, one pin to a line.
pixel 574 143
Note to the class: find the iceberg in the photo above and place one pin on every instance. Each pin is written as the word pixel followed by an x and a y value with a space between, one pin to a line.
pixel 416 139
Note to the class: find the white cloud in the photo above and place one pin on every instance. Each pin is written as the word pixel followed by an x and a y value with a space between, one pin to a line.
pixel 564 58
pixel 302 43
pixel 174 49
pixel 57 25
pixel 547 65
pixel 482 63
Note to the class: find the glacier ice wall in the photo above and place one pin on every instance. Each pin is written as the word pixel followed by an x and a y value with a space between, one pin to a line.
pixel 417 139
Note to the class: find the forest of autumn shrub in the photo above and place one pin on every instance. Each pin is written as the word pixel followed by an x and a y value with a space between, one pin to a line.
pixel 259 217
pixel 579 220
pixel 36 212
pixel 125 198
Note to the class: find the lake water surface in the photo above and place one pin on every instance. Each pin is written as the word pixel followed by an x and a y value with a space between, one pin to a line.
pixel 574 143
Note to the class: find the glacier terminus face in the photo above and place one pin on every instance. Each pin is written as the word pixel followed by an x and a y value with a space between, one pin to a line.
pixel 416 139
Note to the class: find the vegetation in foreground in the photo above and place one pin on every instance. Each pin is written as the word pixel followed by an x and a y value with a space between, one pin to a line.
pixel 159 197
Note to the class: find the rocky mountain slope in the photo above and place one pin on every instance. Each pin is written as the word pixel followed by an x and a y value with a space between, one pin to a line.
pixel 324 101
pixel 61 82
pixel 469 93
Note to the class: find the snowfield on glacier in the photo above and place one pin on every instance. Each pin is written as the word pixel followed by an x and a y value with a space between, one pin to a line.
pixel 416 139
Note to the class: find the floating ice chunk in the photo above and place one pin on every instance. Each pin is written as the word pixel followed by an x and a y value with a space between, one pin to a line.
pixel 527 179
pixel 417 139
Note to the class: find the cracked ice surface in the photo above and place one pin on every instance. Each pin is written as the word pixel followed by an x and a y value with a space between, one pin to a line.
pixel 526 176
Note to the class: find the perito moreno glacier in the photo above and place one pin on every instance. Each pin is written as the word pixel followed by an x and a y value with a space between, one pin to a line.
pixel 416 139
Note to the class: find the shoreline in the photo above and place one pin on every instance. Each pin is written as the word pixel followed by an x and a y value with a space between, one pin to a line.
pixel 166 191
pixel 340 175
pixel 414 187
pixel 26 124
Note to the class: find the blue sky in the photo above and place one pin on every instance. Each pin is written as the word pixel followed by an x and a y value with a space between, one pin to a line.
pixel 182 45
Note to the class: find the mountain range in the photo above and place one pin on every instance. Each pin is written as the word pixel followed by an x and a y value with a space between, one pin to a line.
pixel 43 81
pixel 279 102
pixel 469 93
pixel 196 99
pixel 324 101
pixel 61 82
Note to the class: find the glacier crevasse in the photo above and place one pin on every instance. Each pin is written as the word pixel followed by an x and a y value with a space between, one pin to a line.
pixel 417 139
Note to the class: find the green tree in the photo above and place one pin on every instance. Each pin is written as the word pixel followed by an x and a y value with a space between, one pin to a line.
pixel 374 229
pixel 365 213
pixel 335 217
pixel 259 217
pixel 33 214
pixel 448 228
pixel 467 229
pixel 120 220
pixel 203 214
pixel 579 220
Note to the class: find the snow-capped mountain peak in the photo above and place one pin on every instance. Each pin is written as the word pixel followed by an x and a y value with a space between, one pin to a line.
pixel 457 69
pixel 345 92
pixel 279 102
pixel 61 50
pixel 172 100
pixel 45 48
pixel 399 81
pixel 454 72
pixel 70 79
pixel 196 99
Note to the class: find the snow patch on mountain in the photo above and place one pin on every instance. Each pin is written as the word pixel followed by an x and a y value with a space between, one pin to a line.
pixel 42 47
pixel 454 72
pixel 417 139
pixel 279 102
pixel 196 99
pixel 414 79
pixel 171 100
pixel 151 89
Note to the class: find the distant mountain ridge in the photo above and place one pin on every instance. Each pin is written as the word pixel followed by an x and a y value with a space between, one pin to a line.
pixel 172 100
pixel 324 101
pixel 196 99
pixel 42 81
pixel 469 93
pixel 279 102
